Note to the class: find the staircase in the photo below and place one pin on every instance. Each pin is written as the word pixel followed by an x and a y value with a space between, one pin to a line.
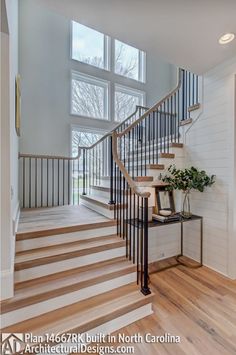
pixel 73 279
pixel 88 277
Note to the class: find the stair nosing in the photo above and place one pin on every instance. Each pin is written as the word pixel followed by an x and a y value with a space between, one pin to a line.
pixel 22 265
pixel 60 291
pixel 63 230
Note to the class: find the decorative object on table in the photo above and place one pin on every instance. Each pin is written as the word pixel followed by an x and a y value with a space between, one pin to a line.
pixel 171 218
pixel 186 180
pixel 164 201
pixel 17 105
pixel 165 213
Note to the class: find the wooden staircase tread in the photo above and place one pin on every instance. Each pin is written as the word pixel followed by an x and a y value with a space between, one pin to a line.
pixel 185 122
pixel 100 201
pixel 176 145
pixel 143 178
pixel 37 258
pixel 194 107
pixel 33 293
pixel 64 230
pixel 156 166
pixel 84 315
pixel 166 155
pixel 62 247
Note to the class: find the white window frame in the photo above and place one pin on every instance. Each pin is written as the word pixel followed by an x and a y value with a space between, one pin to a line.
pixel 93 81
pixel 106 49
pixel 142 66
pixel 129 91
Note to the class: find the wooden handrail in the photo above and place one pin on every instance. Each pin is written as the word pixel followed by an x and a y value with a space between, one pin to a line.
pixel 114 129
pixel 115 135
pixel 40 156
pixel 153 108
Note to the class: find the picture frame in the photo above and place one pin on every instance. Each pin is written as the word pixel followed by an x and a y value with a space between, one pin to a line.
pixel 18 104
pixel 164 200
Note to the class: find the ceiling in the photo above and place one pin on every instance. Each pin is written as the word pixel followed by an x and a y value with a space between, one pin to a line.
pixel 183 32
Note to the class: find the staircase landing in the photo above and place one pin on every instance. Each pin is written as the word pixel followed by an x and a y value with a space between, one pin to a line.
pixel 60 217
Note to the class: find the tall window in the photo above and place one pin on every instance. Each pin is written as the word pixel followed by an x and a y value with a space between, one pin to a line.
pixel 126 100
pixel 129 61
pixel 89 96
pixel 89 46
pixel 83 137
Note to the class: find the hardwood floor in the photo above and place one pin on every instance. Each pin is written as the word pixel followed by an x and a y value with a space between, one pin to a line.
pixel 57 217
pixel 197 305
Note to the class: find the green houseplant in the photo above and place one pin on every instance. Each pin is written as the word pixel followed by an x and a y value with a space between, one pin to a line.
pixel 186 180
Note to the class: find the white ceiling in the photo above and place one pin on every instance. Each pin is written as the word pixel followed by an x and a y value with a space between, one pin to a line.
pixel 183 32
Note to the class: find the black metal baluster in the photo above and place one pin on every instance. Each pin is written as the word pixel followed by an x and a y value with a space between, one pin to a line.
pixel 84 193
pixel 141 243
pixel 63 181
pixel 47 180
pixel 53 177
pixel 68 165
pixel 145 289
pixel 130 220
pixel 134 225
pixel 138 241
pixel 73 182
pixel 58 182
pixel 153 136
pixel 36 184
pixel 23 182
pixel 111 202
pixel 29 182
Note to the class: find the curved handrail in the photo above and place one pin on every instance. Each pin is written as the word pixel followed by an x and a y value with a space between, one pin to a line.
pixel 115 135
pixel 114 129
pixel 122 168
pixel 153 108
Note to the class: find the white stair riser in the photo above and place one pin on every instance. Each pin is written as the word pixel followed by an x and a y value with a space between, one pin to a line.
pixel 99 209
pixel 52 268
pixel 63 238
pixel 99 193
pixel 52 304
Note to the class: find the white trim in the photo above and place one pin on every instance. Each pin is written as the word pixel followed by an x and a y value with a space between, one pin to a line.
pixel 92 80
pixel 7 284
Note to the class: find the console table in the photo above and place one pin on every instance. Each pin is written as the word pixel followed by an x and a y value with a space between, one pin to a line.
pixel 181 222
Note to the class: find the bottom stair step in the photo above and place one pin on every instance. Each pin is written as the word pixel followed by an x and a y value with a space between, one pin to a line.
pixel 89 314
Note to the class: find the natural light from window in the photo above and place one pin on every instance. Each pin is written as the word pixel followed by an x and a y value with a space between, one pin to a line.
pixel 126 100
pixel 129 61
pixel 89 96
pixel 88 45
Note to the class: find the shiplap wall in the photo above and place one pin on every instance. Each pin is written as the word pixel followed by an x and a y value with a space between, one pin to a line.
pixel 210 145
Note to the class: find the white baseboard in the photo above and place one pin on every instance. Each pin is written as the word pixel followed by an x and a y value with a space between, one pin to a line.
pixel 7 284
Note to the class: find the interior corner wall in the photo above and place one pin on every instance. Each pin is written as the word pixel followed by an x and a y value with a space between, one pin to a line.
pixel 9 145
pixel 210 145
pixel 45 65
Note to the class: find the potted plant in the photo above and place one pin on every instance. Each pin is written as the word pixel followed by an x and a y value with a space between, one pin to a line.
pixel 186 180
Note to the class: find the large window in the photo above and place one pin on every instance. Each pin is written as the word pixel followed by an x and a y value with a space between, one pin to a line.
pixel 126 100
pixel 89 96
pixel 83 137
pixel 89 46
pixel 94 97
pixel 129 61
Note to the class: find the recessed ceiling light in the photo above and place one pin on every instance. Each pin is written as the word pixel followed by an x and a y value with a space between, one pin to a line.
pixel 226 38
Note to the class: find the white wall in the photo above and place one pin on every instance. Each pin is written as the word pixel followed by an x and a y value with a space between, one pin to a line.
pixel 210 145
pixel 45 64
pixel 9 144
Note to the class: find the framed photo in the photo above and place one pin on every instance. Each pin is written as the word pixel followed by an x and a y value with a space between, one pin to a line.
pixel 17 105
pixel 164 200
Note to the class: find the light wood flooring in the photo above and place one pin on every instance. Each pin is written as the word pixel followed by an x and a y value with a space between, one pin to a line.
pixel 197 305
pixel 57 217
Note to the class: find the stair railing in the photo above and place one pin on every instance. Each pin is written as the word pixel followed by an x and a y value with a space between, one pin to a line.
pixel 97 160
pixel 136 148
pixel 48 180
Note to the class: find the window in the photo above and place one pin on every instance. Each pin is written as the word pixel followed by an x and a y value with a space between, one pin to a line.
pixel 129 61
pixel 89 46
pixel 89 96
pixel 83 137
pixel 126 100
